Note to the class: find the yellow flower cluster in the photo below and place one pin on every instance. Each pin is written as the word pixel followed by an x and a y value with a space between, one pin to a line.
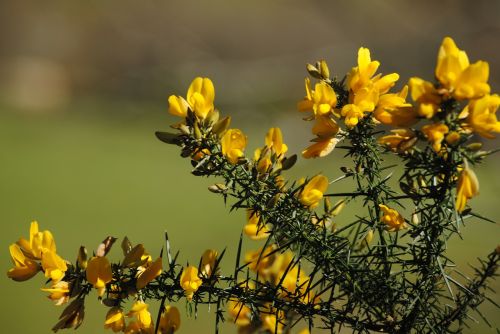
pixel 37 253
pixel 393 219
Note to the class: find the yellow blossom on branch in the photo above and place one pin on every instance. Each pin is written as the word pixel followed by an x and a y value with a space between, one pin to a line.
pixel 325 129
pixel 313 191
pixel 322 100
pixel 199 98
pixel 462 79
pixel 392 109
pixel 400 141
pixel 252 228
pixel 99 273
pixel 392 218
pixel 208 260
pixel 467 187
pixel 425 94
pixel 144 321
pixel 240 313
pixel 190 281
pixel 59 292
pixel 24 268
pixel 435 134
pixel 150 273
pixel 481 115
pixel 233 144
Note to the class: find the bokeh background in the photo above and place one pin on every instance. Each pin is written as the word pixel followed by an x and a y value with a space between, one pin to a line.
pixel 83 87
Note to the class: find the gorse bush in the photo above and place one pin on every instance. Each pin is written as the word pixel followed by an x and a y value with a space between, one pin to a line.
pixel 385 270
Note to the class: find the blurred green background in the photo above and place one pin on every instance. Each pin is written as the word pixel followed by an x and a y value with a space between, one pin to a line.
pixel 83 87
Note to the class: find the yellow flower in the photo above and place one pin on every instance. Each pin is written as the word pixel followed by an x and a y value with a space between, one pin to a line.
pixel 274 140
pixel 294 282
pixel 313 191
pixel 482 115
pixel 150 273
pixel 133 327
pixel 401 141
pixel 427 97
pixel 467 187
pixel 177 106
pixel 170 320
pixel 54 266
pixel 435 134
pixel 252 228
pixel 392 218
pixel 208 260
pixel 239 312
pixel 362 74
pixel 190 281
pixel 140 311
pixel 200 96
pixel 115 320
pixel 233 144
pixel 24 268
pixel 39 243
pixel 392 109
pixel 463 80
pixel 59 292
pixel 325 130
pixel 99 273
pixel 321 101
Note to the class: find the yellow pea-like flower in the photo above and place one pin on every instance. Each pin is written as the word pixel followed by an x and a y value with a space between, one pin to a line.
pixel 435 134
pixel 136 257
pixel 457 75
pixel 24 268
pixel 482 115
pixel 425 94
pixel 190 281
pixel 54 266
pixel 313 191
pixel 170 320
pixel 178 106
pixel 115 320
pixel 274 140
pixel 150 273
pixel 467 187
pixel 322 100
pixel 200 96
pixel 362 74
pixel 272 323
pixel 325 129
pixel 59 292
pixel 392 218
pixel 144 320
pixel 233 145
pixel 392 109
pixel 99 273
pixel 261 260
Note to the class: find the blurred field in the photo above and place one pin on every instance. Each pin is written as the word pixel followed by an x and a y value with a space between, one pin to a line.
pixel 83 87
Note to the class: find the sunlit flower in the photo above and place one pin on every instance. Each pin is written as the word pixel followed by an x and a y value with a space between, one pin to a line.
pixel 177 106
pixel 322 100
pixel 361 75
pixel 54 266
pixel 150 273
pixel 39 242
pixel 425 94
pixel 140 311
pixel 482 115
pixel 253 229
pixel 233 144
pixel 190 281
pixel 271 323
pixel 392 218
pixel 435 134
pixel 115 320
pixel 24 268
pixel 170 320
pixel 325 129
pixel 392 109
pixel 59 292
pixel 467 187
pixel 457 75
pixel 313 191
pixel 200 96
pixel 99 273
pixel 274 140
